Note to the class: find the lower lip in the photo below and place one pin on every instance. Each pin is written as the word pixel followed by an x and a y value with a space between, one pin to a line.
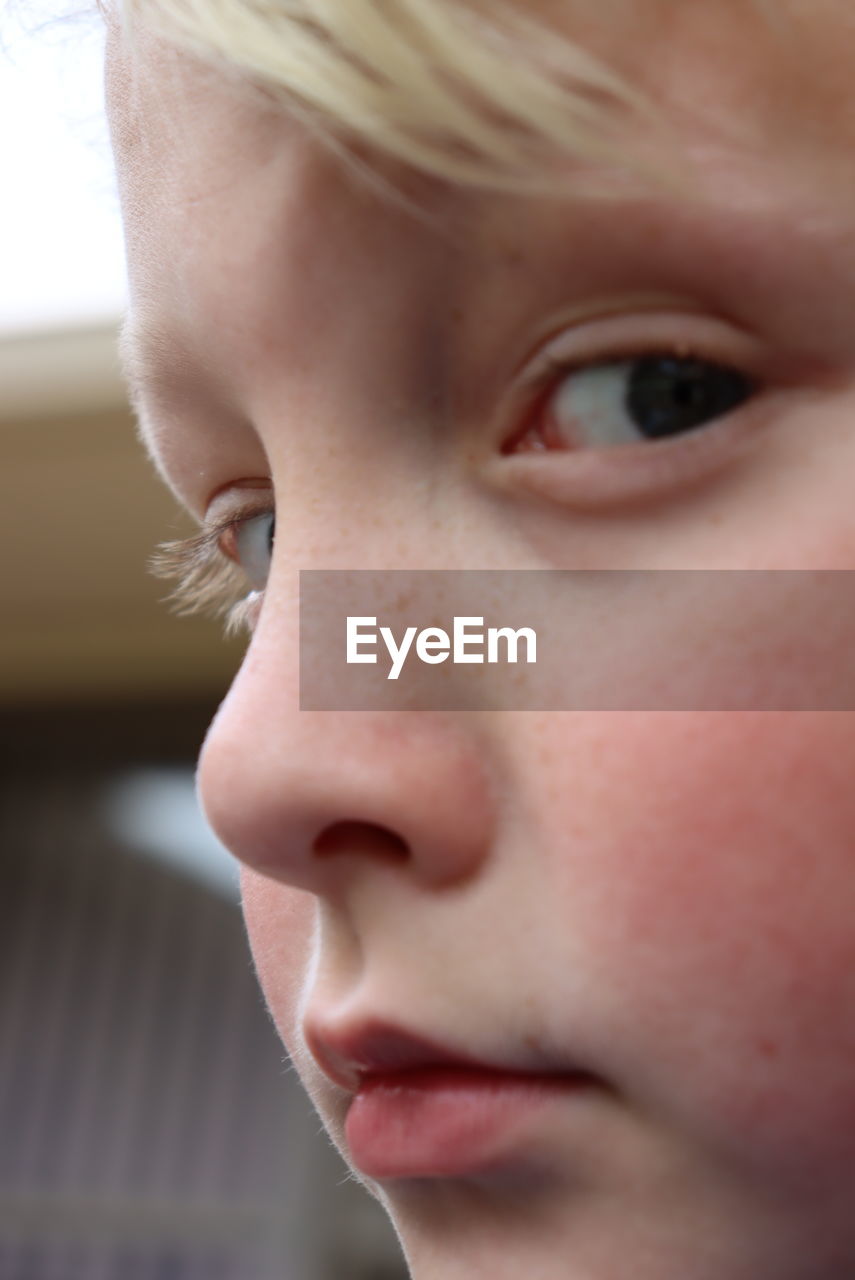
pixel 441 1122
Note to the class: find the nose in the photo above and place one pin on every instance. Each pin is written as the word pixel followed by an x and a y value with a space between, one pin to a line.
pixel 311 797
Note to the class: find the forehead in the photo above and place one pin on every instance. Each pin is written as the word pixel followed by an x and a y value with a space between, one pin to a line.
pixel 220 186
pixel 765 54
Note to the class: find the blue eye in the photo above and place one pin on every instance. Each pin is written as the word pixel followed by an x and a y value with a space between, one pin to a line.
pixel 253 546
pixel 648 398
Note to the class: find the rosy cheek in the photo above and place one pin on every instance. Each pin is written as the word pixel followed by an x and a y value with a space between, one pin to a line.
pixel 730 865
pixel 280 922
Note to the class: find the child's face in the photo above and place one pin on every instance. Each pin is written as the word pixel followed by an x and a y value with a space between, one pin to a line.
pixel 666 899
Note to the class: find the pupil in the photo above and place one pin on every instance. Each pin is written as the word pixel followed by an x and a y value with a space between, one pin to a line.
pixel 667 395
pixel 271 535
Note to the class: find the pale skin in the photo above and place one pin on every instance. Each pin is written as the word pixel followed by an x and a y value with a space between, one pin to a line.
pixel 666 897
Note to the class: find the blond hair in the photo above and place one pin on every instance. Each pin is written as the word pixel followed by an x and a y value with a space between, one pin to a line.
pixel 491 100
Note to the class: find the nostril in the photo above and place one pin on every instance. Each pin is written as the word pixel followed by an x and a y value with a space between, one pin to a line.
pixel 361 838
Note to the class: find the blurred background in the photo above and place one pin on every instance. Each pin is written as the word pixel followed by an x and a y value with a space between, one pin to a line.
pixel 151 1127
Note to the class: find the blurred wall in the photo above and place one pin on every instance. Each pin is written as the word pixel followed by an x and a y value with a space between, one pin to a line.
pixel 81 510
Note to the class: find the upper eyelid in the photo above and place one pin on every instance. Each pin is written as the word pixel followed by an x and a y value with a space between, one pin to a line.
pixel 618 337
pixel 232 508
pixel 636 307
pixel 707 341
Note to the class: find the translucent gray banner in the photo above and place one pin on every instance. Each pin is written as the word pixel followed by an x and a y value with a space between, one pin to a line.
pixel 550 640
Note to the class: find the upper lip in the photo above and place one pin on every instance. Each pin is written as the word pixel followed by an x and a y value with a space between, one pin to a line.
pixel 349 1055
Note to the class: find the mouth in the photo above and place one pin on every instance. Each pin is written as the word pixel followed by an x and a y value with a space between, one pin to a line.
pixel 421 1109
pixel 354 1055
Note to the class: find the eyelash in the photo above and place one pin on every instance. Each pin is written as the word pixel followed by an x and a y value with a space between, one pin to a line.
pixel 208 582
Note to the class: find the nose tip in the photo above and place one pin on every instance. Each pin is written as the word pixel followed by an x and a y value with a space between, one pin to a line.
pixel 314 797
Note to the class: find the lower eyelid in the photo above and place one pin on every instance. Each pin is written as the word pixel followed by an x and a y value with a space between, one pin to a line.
pixel 610 479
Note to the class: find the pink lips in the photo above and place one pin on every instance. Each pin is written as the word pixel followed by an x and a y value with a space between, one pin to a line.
pixel 347 1056
pixel 421 1110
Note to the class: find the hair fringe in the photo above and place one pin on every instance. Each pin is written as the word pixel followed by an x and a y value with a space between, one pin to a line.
pixel 488 101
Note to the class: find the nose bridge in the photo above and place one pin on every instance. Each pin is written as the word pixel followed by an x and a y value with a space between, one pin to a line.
pixel 301 795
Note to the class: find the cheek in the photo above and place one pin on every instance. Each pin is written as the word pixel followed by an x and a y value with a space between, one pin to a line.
pixel 280 922
pixel 725 886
